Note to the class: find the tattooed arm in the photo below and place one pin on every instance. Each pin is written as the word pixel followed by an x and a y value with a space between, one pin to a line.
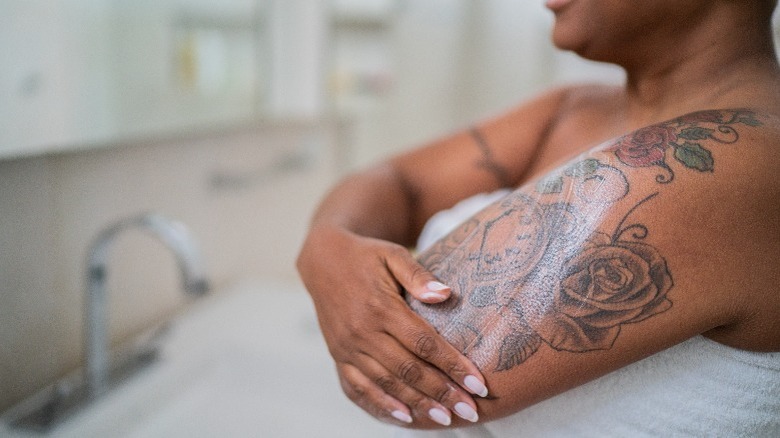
pixel 355 260
pixel 627 250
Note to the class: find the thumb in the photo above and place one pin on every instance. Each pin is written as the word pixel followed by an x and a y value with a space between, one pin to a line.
pixel 417 280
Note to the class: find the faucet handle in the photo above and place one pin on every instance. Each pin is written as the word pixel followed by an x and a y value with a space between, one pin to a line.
pixel 197 287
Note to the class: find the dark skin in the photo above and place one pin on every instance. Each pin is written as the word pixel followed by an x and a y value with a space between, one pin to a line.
pixel 355 261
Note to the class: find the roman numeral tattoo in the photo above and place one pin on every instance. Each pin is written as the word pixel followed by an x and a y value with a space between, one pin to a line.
pixel 539 267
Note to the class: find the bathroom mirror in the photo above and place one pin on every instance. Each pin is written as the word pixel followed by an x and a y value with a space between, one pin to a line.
pixel 87 73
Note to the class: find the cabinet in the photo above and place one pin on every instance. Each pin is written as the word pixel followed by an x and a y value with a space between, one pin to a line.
pixel 361 63
pixel 93 73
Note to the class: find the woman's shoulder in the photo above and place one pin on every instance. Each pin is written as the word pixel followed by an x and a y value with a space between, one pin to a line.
pixel 728 156
pixel 765 123
pixel 736 136
pixel 565 98
pixel 585 96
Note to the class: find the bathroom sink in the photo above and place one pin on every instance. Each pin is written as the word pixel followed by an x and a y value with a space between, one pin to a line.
pixel 246 362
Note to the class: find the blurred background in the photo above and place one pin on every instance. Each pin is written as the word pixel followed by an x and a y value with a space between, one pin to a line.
pixel 232 117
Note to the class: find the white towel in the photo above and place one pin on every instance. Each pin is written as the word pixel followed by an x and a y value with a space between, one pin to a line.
pixel 698 388
pixel 441 223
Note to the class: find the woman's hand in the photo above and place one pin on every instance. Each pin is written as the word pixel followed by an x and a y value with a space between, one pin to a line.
pixel 390 361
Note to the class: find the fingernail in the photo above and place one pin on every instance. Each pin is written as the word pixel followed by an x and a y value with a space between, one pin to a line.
pixel 401 416
pixel 475 386
pixel 436 286
pixel 432 296
pixel 466 412
pixel 440 416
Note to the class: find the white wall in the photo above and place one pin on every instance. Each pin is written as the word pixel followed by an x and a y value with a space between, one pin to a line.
pixel 298 32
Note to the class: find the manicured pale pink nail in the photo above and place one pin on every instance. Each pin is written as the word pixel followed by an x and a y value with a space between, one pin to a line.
pixel 466 412
pixel 475 386
pixel 440 416
pixel 401 416
pixel 432 296
pixel 436 286
pixel 435 291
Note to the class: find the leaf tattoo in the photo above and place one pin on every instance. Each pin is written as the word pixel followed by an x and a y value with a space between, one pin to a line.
pixel 686 136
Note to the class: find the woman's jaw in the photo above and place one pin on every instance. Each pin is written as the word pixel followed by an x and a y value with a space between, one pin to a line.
pixel 556 5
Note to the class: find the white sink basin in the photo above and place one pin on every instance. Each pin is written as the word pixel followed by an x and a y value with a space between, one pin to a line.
pixel 247 363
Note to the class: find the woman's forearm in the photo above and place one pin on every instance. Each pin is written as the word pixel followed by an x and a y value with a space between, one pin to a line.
pixel 374 203
pixel 354 265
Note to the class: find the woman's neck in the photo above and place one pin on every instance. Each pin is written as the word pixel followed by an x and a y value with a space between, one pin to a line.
pixel 719 68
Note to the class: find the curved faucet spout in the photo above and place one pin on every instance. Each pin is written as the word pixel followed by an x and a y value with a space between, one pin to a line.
pixel 177 238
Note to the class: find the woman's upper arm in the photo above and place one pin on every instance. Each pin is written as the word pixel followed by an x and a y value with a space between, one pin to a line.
pixel 488 156
pixel 626 250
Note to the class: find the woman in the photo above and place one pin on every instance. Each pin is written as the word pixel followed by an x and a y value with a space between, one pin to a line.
pixel 643 228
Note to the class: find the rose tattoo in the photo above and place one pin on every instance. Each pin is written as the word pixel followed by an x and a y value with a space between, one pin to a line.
pixel 605 285
pixel 686 137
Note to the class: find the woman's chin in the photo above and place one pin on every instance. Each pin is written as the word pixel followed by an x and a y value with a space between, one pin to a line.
pixel 566 41
pixel 556 5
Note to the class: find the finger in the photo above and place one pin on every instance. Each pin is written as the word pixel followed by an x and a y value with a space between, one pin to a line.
pixel 371 398
pixel 425 410
pixel 401 371
pixel 417 280
pixel 419 338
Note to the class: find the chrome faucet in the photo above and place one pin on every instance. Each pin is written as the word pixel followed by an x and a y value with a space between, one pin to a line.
pixel 46 409
pixel 178 239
